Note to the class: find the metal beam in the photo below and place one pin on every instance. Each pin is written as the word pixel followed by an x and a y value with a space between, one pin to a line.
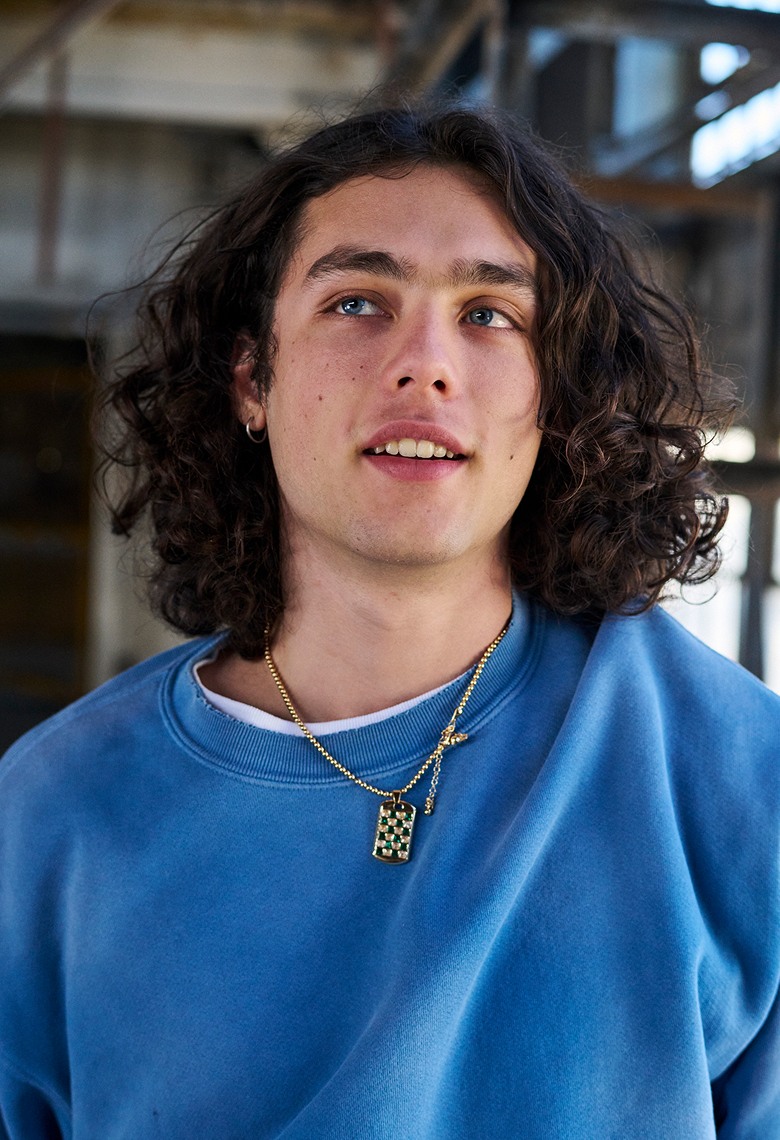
pixel 514 81
pixel 758 479
pixel 67 23
pixel 53 160
pixel 432 42
pixel 755 582
pixel 692 23
pixel 614 157
pixel 763 410
pixel 494 47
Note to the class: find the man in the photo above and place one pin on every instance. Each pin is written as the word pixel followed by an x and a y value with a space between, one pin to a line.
pixel 444 830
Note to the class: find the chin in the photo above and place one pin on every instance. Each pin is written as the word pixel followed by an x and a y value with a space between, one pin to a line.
pixel 423 550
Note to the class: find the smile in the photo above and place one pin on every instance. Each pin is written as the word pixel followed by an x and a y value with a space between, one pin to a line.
pixel 413 449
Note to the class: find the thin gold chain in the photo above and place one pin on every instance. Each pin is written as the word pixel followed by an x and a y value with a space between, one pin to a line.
pixel 448 736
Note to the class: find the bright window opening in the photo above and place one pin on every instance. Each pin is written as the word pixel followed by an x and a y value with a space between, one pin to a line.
pixel 756 5
pixel 737 139
pixel 738 445
pixel 712 610
pixel 719 61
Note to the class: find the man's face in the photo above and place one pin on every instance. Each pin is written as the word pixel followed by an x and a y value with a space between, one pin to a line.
pixel 405 314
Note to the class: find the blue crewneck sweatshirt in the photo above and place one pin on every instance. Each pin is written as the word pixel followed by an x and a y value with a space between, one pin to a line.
pixel 196 942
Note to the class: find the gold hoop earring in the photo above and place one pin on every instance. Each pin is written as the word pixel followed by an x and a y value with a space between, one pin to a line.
pixel 256 436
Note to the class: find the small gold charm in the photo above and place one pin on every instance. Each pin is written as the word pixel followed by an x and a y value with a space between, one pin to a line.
pixel 450 736
pixel 393 838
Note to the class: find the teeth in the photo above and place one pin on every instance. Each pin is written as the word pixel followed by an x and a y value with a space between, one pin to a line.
pixel 414 449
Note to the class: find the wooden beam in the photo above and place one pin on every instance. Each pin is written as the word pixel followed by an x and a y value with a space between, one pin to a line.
pixel 676 197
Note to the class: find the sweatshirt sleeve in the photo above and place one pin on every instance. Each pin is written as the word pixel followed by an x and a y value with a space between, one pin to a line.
pixel 746 1097
pixel 26 1112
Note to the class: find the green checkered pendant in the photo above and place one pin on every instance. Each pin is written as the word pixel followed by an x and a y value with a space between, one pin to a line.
pixel 393 838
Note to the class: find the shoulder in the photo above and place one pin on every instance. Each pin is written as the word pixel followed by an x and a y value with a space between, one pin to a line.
pixel 709 732
pixel 657 657
pixel 650 662
pixel 697 738
pixel 703 730
pixel 110 721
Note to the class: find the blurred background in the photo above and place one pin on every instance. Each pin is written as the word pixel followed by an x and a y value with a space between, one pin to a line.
pixel 120 120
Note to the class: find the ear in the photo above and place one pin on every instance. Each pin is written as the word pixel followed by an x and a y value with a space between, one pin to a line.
pixel 247 404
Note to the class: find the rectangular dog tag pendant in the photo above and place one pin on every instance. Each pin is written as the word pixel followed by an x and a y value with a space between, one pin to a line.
pixel 393 839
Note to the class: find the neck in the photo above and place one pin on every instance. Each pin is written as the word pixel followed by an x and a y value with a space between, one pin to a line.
pixel 378 647
pixel 347 647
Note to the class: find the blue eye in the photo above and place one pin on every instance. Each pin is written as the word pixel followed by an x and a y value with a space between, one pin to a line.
pixel 357 307
pixel 485 317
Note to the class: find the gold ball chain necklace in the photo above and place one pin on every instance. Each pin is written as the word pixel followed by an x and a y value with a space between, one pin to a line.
pixel 395 824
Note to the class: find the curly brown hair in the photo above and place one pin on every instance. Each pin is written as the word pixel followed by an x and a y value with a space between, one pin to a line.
pixel 620 501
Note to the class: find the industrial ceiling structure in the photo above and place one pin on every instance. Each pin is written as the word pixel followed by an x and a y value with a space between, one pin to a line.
pixel 259 64
pixel 116 115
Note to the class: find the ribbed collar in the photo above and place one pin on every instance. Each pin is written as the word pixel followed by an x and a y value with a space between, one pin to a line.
pixel 375 752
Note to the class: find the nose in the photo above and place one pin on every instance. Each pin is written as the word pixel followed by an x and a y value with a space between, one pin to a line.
pixel 424 354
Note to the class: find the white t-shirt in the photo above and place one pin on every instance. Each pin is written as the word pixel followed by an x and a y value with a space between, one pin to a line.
pixel 251 715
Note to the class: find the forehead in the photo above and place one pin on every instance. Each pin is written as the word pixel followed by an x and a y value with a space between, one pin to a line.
pixel 429 216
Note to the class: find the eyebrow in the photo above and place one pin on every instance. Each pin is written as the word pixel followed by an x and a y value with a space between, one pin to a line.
pixel 344 259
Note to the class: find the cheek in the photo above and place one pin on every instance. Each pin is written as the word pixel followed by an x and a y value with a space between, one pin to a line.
pixel 513 410
pixel 303 422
